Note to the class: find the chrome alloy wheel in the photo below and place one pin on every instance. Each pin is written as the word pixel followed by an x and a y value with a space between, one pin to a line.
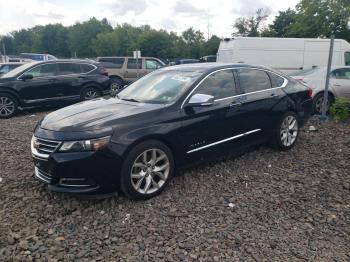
pixel 150 171
pixel 7 106
pixel 289 131
pixel 91 94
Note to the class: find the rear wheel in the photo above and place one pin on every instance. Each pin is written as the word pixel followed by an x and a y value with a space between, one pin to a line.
pixel 147 170
pixel 287 132
pixel 318 103
pixel 90 93
pixel 8 105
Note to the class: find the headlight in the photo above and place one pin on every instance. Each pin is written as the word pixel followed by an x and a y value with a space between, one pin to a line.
pixel 84 145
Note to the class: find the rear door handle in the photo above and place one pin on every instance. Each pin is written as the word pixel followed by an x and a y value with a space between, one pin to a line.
pixel 274 95
pixel 53 79
pixel 337 85
pixel 238 104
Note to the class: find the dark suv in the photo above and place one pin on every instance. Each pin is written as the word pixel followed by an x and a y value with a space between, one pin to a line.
pixel 48 83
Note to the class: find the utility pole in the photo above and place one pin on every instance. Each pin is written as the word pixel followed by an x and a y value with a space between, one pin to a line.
pixel 329 67
pixel 208 25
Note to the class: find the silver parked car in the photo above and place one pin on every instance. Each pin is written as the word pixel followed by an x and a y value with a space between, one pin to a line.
pixel 316 79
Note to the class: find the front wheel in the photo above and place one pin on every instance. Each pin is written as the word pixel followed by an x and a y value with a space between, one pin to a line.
pixel 318 103
pixel 90 93
pixel 147 170
pixel 287 132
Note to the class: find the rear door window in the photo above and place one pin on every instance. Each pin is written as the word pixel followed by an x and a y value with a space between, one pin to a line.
pixel 68 68
pixel 132 63
pixel 253 80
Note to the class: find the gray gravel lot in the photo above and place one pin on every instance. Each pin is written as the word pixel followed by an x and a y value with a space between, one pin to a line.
pixel 262 206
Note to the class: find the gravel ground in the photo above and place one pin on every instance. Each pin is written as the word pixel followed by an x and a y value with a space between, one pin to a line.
pixel 262 206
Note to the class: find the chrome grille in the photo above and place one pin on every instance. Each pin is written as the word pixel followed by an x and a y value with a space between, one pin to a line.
pixel 43 147
pixel 43 176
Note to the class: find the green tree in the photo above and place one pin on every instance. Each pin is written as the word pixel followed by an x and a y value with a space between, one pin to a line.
pixel 82 35
pixel 212 45
pixel 250 26
pixel 321 18
pixel 194 40
pixel 51 39
pixel 283 21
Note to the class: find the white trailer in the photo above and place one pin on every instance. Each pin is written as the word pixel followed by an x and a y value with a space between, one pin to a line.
pixel 284 54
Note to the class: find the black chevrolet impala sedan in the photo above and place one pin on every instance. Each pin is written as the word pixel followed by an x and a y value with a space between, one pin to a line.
pixel 134 142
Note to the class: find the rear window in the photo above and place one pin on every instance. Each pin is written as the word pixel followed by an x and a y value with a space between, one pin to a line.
pixel 111 62
pixel 68 68
pixel 252 80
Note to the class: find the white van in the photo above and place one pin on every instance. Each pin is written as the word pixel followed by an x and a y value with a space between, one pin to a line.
pixel 284 54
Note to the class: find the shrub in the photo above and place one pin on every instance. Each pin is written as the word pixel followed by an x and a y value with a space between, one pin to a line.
pixel 340 110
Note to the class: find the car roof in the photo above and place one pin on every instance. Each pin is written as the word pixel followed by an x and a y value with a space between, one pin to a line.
pixel 89 61
pixel 12 63
pixel 205 67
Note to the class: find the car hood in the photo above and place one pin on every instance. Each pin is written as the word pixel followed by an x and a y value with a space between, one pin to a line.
pixel 98 114
pixel 5 80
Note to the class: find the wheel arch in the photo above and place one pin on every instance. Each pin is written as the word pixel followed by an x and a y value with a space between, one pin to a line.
pixel 159 137
pixel 12 93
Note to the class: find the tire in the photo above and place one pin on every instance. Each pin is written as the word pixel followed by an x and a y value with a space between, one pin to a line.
pixel 142 177
pixel 286 135
pixel 116 84
pixel 8 105
pixel 318 102
pixel 89 93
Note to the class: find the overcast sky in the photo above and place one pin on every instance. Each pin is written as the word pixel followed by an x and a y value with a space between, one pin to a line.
pixel 175 15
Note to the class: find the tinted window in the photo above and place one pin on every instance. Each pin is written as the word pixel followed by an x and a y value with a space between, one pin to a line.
pixel 343 73
pixel 152 64
pixel 219 85
pixel 112 62
pixel 132 63
pixel 276 80
pixel 68 68
pixel 86 68
pixel 43 70
pixel 4 69
pixel 347 58
pixel 252 80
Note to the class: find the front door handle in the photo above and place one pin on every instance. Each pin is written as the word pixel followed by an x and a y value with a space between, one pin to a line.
pixel 337 85
pixel 274 95
pixel 53 79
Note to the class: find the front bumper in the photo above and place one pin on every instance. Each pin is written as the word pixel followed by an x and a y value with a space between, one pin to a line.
pixel 85 173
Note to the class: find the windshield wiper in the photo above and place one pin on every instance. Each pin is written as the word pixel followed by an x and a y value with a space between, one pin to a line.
pixel 130 100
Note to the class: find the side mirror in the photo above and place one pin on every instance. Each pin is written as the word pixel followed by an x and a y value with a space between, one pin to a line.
pixel 26 77
pixel 201 100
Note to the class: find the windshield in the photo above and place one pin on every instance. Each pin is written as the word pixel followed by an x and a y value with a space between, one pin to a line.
pixel 160 87
pixel 18 70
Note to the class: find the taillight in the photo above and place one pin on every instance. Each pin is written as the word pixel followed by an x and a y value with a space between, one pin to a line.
pixel 309 92
pixel 103 71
